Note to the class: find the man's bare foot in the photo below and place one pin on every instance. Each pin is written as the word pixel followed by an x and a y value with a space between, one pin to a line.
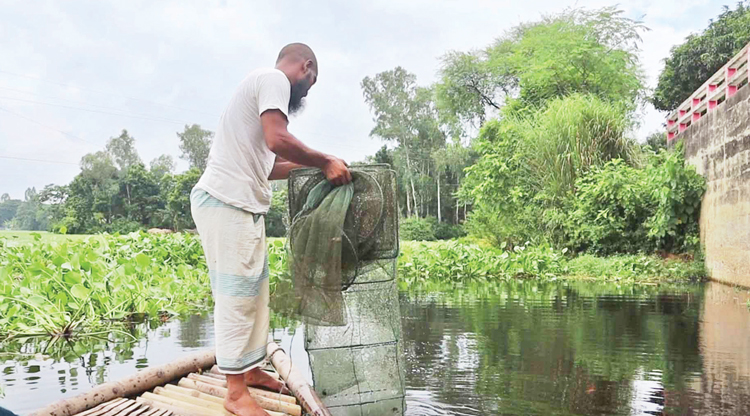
pixel 258 378
pixel 241 403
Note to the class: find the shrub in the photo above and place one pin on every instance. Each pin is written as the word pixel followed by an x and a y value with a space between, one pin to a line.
pixel 277 217
pixel 445 231
pixel 621 209
pixel 454 261
pixel 609 209
pixel 417 229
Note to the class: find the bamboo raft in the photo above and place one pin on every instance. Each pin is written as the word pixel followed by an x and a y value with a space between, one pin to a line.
pixel 191 386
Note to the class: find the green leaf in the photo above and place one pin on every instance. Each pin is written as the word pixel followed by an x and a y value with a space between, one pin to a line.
pixel 37 300
pixel 80 291
pixel 142 260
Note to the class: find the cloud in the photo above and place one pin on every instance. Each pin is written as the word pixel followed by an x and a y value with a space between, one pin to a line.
pixel 151 67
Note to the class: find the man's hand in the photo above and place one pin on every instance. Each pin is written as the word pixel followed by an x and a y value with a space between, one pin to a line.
pixel 336 171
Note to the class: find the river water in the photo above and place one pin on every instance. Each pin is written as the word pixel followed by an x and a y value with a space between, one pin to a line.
pixel 521 348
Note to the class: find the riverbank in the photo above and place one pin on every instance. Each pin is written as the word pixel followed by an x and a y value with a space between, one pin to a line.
pixel 63 286
pixel 456 261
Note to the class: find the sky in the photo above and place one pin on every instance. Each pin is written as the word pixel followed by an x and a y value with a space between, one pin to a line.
pixel 74 74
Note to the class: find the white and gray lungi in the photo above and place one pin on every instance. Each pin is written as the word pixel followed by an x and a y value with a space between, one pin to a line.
pixel 234 242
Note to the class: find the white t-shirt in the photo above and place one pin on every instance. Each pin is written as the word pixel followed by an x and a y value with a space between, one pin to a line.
pixel 240 161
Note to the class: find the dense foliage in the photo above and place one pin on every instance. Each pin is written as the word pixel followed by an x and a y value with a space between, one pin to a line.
pixel 565 90
pixel 458 262
pixel 68 287
pixel 618 208
pixel 619 198
pixel 578 51
pixel 428 229
pixel 116 192
pixel 691 63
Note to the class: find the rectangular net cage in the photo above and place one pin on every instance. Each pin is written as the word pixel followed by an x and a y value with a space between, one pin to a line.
pixel 357 364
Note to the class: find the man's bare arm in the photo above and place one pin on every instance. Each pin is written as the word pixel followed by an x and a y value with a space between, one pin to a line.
pixel 284 144
pixel 281 168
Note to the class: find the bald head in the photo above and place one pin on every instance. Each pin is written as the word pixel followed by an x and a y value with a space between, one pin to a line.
pixel 298 62
pixel 297 52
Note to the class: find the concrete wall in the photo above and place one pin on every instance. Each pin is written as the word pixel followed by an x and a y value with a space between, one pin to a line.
pixel 718 145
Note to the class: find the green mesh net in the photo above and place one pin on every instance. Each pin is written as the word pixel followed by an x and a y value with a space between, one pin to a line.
pixel 336 235
pixel 341 282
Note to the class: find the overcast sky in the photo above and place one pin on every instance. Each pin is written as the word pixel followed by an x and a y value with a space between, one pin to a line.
pixel 73 74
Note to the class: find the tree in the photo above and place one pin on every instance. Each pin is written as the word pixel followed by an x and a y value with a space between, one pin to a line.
pixel 471 87
pixel 31 213
pixel 162 165
pixel 407 115
pixel 29 194
pixel 690 64
pixel 4 198
pixel 195 144
pixel 178 201
pixel 383 155
pixel 578 51
pixel 122 149
pixel 139 191
pixel 276 220
pixel 92 195
pixel 8 210
pixel 657 140
pixel 53 197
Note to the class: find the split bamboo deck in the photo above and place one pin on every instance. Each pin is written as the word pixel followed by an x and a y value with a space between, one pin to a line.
pixel 191 386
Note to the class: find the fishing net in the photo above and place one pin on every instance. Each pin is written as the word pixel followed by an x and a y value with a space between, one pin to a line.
pixel 342 250
pixel 337 235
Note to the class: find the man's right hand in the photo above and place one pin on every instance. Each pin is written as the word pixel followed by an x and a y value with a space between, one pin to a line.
pixel 336 171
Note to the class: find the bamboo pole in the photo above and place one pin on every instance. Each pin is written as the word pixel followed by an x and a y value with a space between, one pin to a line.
pixel 125 408
pixel 137 412
pixel 189 399
pixel 295 381
pixel 264 396
pixel 252 390
pixel 102 408
pixel 197 401
pixel 216 394
pixel 179 404
pixel 178 411
pixel 129 386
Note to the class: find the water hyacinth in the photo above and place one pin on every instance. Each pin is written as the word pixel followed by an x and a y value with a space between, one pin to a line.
pixel 67 288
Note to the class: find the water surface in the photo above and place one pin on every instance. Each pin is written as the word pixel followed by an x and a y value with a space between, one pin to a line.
pixel 522 348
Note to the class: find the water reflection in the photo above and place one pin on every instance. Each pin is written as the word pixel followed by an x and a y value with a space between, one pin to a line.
pixel 564 349
pixel 525 348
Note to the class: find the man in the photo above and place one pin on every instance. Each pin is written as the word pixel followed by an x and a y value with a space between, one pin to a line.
pixel 251 147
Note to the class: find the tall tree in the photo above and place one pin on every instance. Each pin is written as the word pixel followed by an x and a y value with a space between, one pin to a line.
pixel 162 165
pixel 122 149
pixel 29 194
pixel 195 143
pixel 92 195
pixel 8 210
pixel 406 114
pixel 53 197
pixel 178 201
pixel 471 88
pixel 578 51
pixel 690 64
pixel 140 193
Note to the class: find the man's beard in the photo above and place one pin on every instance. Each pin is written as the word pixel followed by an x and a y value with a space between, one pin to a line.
pixel 296 99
